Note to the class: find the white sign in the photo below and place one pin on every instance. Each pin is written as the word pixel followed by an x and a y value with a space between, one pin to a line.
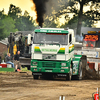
pixel 88 48
pixel 88 53
pixel 93 60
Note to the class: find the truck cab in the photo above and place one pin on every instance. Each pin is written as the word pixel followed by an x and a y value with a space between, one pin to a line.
pixel 52 53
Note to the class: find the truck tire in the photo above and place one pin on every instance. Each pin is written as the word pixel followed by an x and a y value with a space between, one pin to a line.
pixel 84 66
pixel 35 76
pixel 69 75
pixel 79 76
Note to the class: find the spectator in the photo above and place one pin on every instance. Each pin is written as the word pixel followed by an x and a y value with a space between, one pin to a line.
pixel 89 45
pixel 8 60
pixel 16 61
pixel 0 59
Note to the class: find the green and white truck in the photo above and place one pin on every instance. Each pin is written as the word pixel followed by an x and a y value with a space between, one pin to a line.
pixel 52 54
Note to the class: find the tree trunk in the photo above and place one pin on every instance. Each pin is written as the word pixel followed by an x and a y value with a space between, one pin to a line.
pixel 79 24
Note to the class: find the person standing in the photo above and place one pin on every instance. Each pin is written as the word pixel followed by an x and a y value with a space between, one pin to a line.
pixel 8 60
pixel 89 44
pixel 16 61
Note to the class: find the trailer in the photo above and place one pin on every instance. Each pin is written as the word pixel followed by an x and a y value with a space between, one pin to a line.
pixel 91 48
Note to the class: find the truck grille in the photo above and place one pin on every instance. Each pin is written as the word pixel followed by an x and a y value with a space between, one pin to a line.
pixel 49 64
pixel 49 57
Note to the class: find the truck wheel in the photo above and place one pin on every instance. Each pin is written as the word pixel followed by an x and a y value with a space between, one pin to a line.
pixel 80 71
pixel 69 75
pixel 84 65
pixel 35 76
pixel 79 76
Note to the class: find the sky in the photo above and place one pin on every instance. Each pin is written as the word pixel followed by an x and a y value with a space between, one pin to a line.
pixel 24 5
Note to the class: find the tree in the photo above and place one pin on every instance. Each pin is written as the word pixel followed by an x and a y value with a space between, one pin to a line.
pixel 72 23
pixel 49 23
pixel 22 22
pixel 93 14
pixel 76 7
pixel 14 11
pixel 7 25
pixel 1 25
pixel 28 21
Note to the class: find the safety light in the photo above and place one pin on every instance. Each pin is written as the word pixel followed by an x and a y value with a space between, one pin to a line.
pixel 34 63
pixel 65 67
pixel 63 64
pixel 33 66
pixel 91 37
pixel 98 31
pixel 92 32
pixel 35 69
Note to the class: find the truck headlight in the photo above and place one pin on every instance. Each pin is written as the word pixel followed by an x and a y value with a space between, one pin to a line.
pixel 34 63
pixel 33 66
pixel 63 64
pixel 65 67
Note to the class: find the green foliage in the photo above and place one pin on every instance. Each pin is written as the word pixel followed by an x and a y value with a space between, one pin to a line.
pixel 28 22
pixel 23 23
pixel 14 11
pixel 71 23
pixel 48 23
pixel 76 8
pixel 15 21
pixel 7 25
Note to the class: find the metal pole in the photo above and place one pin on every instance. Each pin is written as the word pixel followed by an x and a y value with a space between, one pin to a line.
pixel 62 97
pixel 99 92
pixel 11 45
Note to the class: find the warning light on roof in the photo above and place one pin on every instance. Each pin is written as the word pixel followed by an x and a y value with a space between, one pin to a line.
pixel 92 32
pixel 91 37
pixel 98 31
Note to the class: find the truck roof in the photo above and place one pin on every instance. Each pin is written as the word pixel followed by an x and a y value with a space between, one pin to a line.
pixel 51 30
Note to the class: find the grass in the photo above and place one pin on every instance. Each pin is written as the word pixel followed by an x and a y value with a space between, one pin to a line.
pixel 24 69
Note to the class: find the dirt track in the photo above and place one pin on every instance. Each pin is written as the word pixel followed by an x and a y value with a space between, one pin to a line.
pixel 22 86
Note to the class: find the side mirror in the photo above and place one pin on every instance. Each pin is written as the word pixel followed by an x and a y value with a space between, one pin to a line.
pixel 29 39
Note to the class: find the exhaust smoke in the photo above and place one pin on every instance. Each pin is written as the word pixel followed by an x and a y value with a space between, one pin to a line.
pixel 40 8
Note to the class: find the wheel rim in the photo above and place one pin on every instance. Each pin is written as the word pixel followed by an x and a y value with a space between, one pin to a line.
pixel 80 73
pixel 70 74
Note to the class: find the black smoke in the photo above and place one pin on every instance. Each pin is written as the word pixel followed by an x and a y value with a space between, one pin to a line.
pixel 40 7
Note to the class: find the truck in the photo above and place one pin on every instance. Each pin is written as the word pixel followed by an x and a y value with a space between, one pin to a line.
pixel 52 54
pixel 91 48
pixel 18 41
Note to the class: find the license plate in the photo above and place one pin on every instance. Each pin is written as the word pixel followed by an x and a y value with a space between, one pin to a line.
pixel 48 70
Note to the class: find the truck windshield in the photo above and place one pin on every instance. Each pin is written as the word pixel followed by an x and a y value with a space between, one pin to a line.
pixel 47 38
